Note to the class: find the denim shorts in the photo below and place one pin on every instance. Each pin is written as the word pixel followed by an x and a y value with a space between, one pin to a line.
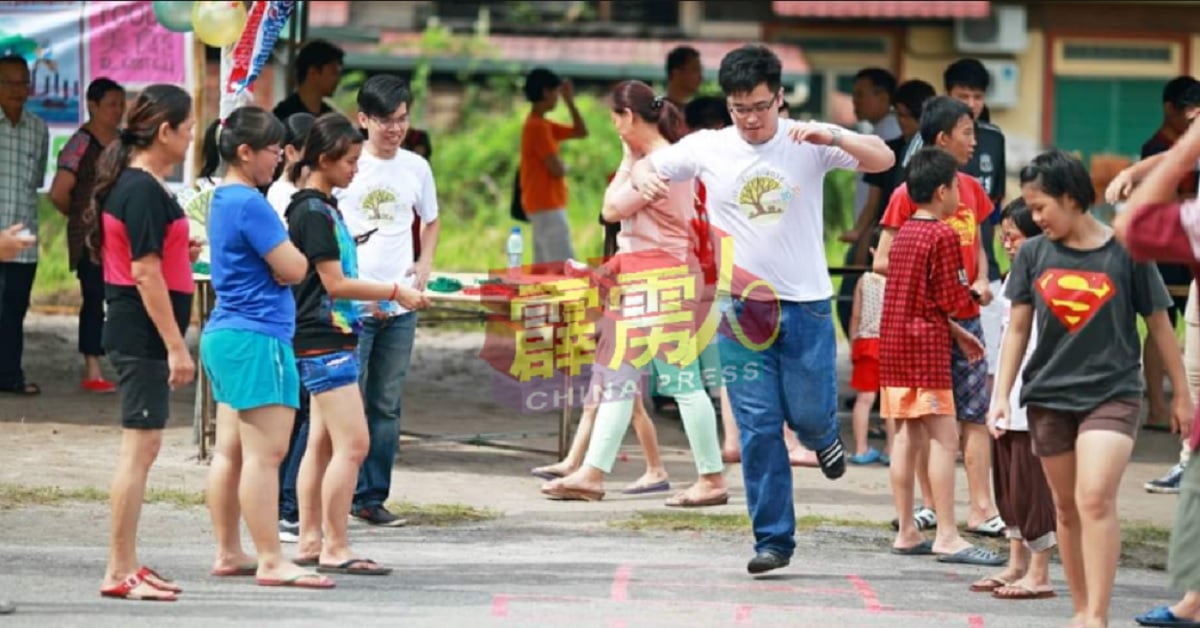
pixel 249 369
pixel 323 373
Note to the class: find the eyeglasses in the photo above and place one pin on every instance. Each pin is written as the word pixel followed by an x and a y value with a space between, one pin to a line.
pixel 391 123
pixel 17 84
pixel 756 108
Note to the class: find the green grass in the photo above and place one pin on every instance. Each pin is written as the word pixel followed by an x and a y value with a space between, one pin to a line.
pixel 438 515
pixel 17 496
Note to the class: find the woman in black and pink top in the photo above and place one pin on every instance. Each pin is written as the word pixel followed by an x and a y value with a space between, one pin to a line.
pixel 141 238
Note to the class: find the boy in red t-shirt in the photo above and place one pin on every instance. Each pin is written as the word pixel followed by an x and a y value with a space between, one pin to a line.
pixel 926 287
pixel 948 124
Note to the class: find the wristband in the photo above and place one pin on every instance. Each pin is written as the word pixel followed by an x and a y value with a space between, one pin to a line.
pixel 395 291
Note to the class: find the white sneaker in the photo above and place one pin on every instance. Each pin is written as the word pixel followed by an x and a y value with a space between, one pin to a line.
pixel 289 531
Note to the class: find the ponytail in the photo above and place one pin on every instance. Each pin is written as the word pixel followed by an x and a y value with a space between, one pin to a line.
pixel 671 123
pixel 639 98
pixel 212 153
pixel 113 161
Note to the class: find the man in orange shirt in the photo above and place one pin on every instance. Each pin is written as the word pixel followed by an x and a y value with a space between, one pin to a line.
pixel 543 174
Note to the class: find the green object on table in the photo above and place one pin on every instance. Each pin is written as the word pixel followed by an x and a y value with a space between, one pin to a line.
pixel 201 268
pixel 489 281
pixel 445 284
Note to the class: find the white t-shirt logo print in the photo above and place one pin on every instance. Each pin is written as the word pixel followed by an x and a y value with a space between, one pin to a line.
pixel 763 196
pixel 379 206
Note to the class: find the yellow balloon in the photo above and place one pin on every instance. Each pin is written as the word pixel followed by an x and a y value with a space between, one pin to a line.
pixel 218 24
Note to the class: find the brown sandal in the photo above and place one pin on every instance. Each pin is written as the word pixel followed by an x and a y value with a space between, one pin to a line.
pixel 682 500
pixel 566 493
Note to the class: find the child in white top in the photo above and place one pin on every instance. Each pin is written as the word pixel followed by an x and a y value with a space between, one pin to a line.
pixel 279 195
pixel 1022 494
pixel 865 315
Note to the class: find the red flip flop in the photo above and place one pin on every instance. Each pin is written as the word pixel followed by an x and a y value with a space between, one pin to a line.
pixel 125 590
pixel 158 581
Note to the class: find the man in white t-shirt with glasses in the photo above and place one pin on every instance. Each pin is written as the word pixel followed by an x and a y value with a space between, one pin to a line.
pixel 392 184
pixel 765 180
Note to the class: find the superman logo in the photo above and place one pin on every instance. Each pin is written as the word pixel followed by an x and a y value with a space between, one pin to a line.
pixel 1074 296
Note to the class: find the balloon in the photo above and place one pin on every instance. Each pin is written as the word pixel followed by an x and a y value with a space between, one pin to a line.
pixel 174 16
pixel 219 24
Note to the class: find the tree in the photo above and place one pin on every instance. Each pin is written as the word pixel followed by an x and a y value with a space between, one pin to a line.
pixel 753 192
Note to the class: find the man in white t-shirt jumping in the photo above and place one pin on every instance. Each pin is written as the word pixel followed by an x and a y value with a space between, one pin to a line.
pixel 764 178
pixel 390 186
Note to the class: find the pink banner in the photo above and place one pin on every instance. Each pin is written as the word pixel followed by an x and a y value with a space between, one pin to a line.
pixel 128 45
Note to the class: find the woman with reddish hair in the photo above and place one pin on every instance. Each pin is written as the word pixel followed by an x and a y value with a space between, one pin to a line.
pixel 654 236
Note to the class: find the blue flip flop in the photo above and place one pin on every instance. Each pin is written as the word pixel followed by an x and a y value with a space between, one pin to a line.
pixel 657 487
pixel 1162 616
pixel 924 548
pixel 973 555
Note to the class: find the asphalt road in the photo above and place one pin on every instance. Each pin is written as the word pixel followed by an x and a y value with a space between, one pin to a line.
pixel 519 572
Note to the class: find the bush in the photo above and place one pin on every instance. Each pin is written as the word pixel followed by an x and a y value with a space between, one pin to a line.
pixel 475 166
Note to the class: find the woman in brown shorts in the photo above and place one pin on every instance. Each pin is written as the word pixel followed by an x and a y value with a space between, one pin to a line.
pixel 1082 386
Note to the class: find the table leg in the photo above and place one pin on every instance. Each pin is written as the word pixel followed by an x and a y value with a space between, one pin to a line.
pixel 564 422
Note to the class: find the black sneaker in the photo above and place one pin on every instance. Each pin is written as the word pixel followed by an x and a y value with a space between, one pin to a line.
pixel 766 561
pixel 378 516
pixel 1167 484
pixel 833 460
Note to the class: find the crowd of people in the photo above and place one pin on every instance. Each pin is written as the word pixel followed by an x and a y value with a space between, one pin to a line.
pixel 322 232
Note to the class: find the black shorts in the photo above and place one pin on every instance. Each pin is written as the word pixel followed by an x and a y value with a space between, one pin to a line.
pixel 145 395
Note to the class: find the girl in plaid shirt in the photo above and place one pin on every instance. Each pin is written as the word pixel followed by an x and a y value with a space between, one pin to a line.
pixel 926 285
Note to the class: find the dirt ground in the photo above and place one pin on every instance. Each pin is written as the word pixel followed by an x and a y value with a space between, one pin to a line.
pixel 69 438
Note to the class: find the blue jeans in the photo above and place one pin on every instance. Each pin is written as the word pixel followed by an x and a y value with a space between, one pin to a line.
pixel 289 509
pixel 384 353
pixel 793 379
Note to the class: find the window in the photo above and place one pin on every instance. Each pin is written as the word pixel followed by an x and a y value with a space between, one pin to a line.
pixel 1105 115
pixel 1130 54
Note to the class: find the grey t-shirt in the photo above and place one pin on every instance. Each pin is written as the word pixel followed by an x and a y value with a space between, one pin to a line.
pixel 1085 306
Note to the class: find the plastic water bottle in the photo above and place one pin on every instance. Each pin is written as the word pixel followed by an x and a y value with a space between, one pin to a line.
pixel 515 248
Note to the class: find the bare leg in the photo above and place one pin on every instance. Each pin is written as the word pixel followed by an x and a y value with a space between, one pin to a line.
pixel 1037 577
pixel 921 437
pixel 264 434
pixel 731 449
pixel 308 486
pixel 1018 564
pixel 1100 458
pixel 863 403
pixel 1188 607
pixel 583 433
pixel 889 429
pixel 798 454
pixel 904 457
pixel 91 368
pixel 222 492
pixel 341 411
pixel 943 447
pixel 139 449
pixel 1060 475
pixel 648 438
pixel 977 458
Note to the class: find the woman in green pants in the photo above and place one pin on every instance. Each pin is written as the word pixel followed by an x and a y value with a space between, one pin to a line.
pixel 657 236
